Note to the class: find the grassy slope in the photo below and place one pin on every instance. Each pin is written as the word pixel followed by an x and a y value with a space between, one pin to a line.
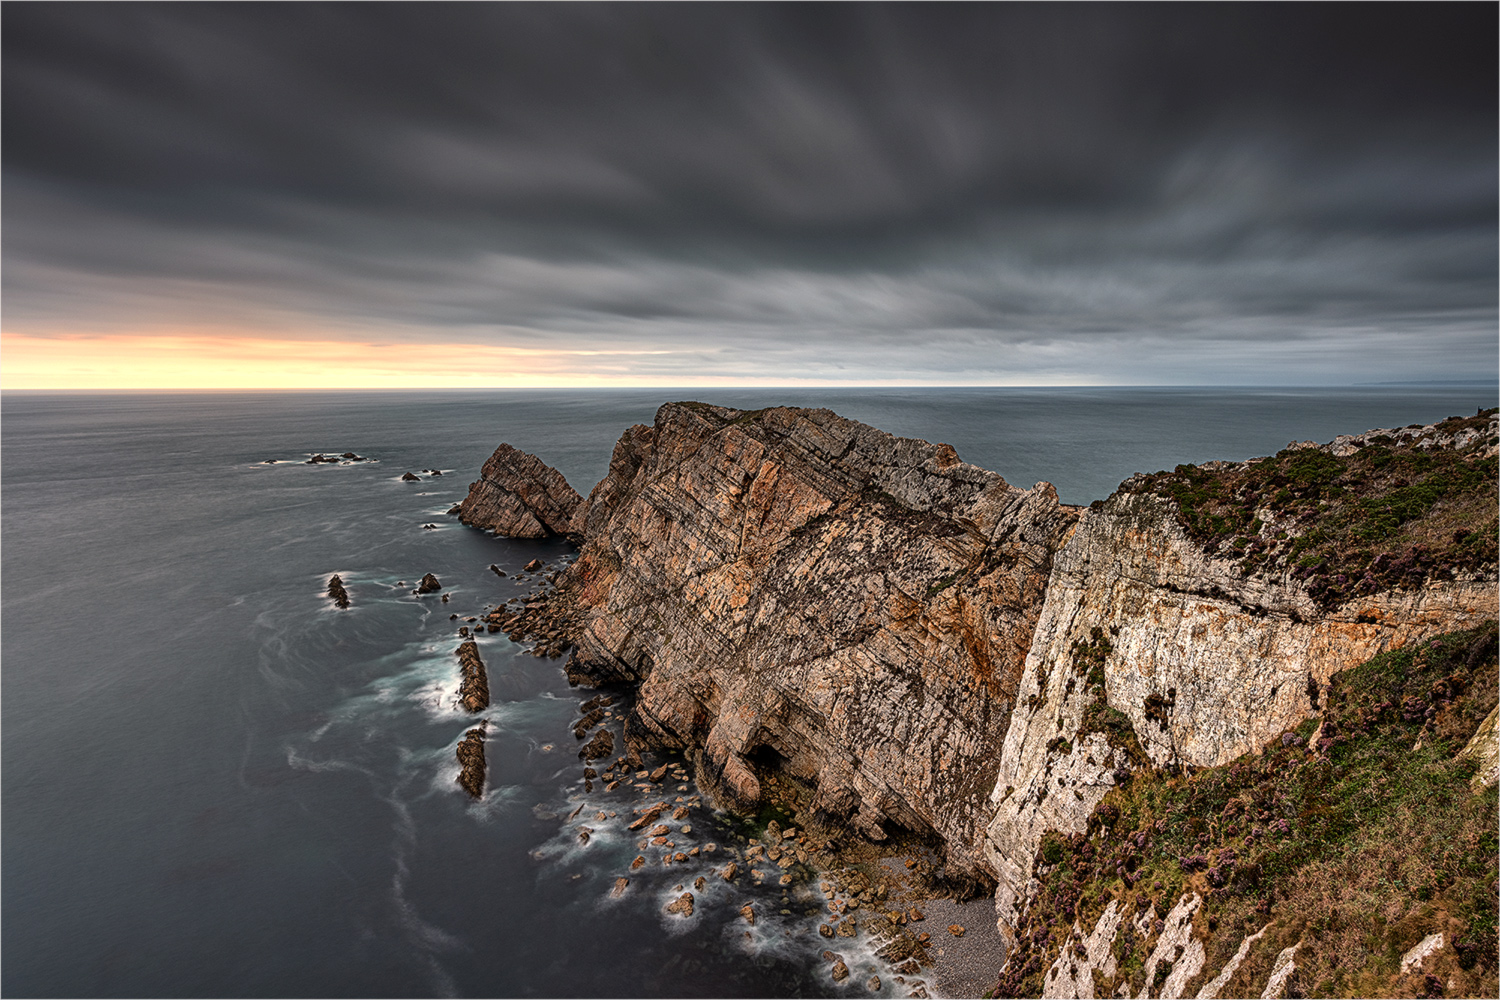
pixel 1386 516
pixel 1358 843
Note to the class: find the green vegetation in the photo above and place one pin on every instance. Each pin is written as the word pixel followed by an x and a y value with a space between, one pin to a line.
pixel 1356 837
pixel 1383 517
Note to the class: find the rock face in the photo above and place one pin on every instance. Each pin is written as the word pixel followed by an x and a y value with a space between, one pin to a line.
pixel 1204 664
pixel 471 761
pixel 923 645
pixel 474 689
pixel 803 592
pixel 519 496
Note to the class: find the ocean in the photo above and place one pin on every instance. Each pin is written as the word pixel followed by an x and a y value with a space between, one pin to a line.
pixel 215 783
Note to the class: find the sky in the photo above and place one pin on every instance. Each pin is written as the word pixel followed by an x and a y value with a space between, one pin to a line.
pixel 433 195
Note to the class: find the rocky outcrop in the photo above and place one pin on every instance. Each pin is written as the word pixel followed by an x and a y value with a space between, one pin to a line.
pixel 1154 649
pixel 919 645
pixel 803 593
pixel 519 496
pixel 474 688
pixel 471 762
pixel 1194 662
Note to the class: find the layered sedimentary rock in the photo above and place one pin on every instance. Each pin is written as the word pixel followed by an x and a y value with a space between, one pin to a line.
pixel 1205 661
pixel 800 591
pixel 927 646
pixel 471 762
pixel 474 688
pixel 520 496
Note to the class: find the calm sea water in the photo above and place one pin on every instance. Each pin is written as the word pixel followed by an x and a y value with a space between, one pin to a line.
pixel 215 784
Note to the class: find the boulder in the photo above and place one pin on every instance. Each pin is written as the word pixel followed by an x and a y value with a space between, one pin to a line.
pixel 619 889
pixel 602 745
pixel 682 905
pixel 337 592
pixel 748 912
pixel 533 566
pixel 411 478
pixel 428 585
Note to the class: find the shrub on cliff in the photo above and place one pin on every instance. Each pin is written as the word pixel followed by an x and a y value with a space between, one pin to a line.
pixel 1357 836
pixel 1387 515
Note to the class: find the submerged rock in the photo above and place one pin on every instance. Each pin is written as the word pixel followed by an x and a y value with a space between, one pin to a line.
pixel 471 760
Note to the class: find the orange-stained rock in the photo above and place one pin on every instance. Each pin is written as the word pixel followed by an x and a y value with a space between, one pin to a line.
pixel 799 590
pixel 520 496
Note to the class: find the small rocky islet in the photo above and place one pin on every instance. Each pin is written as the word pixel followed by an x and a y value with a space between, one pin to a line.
pixel 921 660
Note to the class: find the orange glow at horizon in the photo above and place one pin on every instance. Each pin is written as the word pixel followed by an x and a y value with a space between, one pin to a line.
pixel 187 361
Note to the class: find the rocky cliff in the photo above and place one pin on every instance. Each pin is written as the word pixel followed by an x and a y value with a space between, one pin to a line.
pixel 810 603
pixel 807 595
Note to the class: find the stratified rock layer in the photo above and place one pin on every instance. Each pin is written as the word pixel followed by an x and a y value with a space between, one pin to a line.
pixel 471 761
pixel 801 591
pixel 925 645
pixel 519 496
pixel 474 689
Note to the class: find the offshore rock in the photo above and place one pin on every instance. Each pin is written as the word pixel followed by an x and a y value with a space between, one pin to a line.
pixel 428 585
pixel 474 689
pixel 519 496
pixel 337 592
pixel 805 593
pixel 471 761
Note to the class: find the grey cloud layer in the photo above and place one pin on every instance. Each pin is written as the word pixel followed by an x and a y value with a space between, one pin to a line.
pixel 1117 192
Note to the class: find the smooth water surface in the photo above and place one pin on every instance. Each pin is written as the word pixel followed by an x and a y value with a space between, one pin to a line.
pixel 217 784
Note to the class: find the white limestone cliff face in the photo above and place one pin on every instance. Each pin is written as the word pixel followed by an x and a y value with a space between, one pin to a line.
pixel 1207 664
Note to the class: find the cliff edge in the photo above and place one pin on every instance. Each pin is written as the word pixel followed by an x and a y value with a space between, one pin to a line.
pixel 905 642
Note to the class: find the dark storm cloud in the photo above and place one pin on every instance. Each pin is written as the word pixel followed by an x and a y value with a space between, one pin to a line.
pixel 1136 192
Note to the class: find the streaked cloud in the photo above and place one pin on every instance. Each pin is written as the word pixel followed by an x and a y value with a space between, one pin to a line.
pixel 1005 194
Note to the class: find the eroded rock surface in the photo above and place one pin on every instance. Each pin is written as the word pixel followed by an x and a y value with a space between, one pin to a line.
pixel 801 592
pixel 1204 664
pixel 924 646
pixel 471 762
pixel 520 496
pixel 474 688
